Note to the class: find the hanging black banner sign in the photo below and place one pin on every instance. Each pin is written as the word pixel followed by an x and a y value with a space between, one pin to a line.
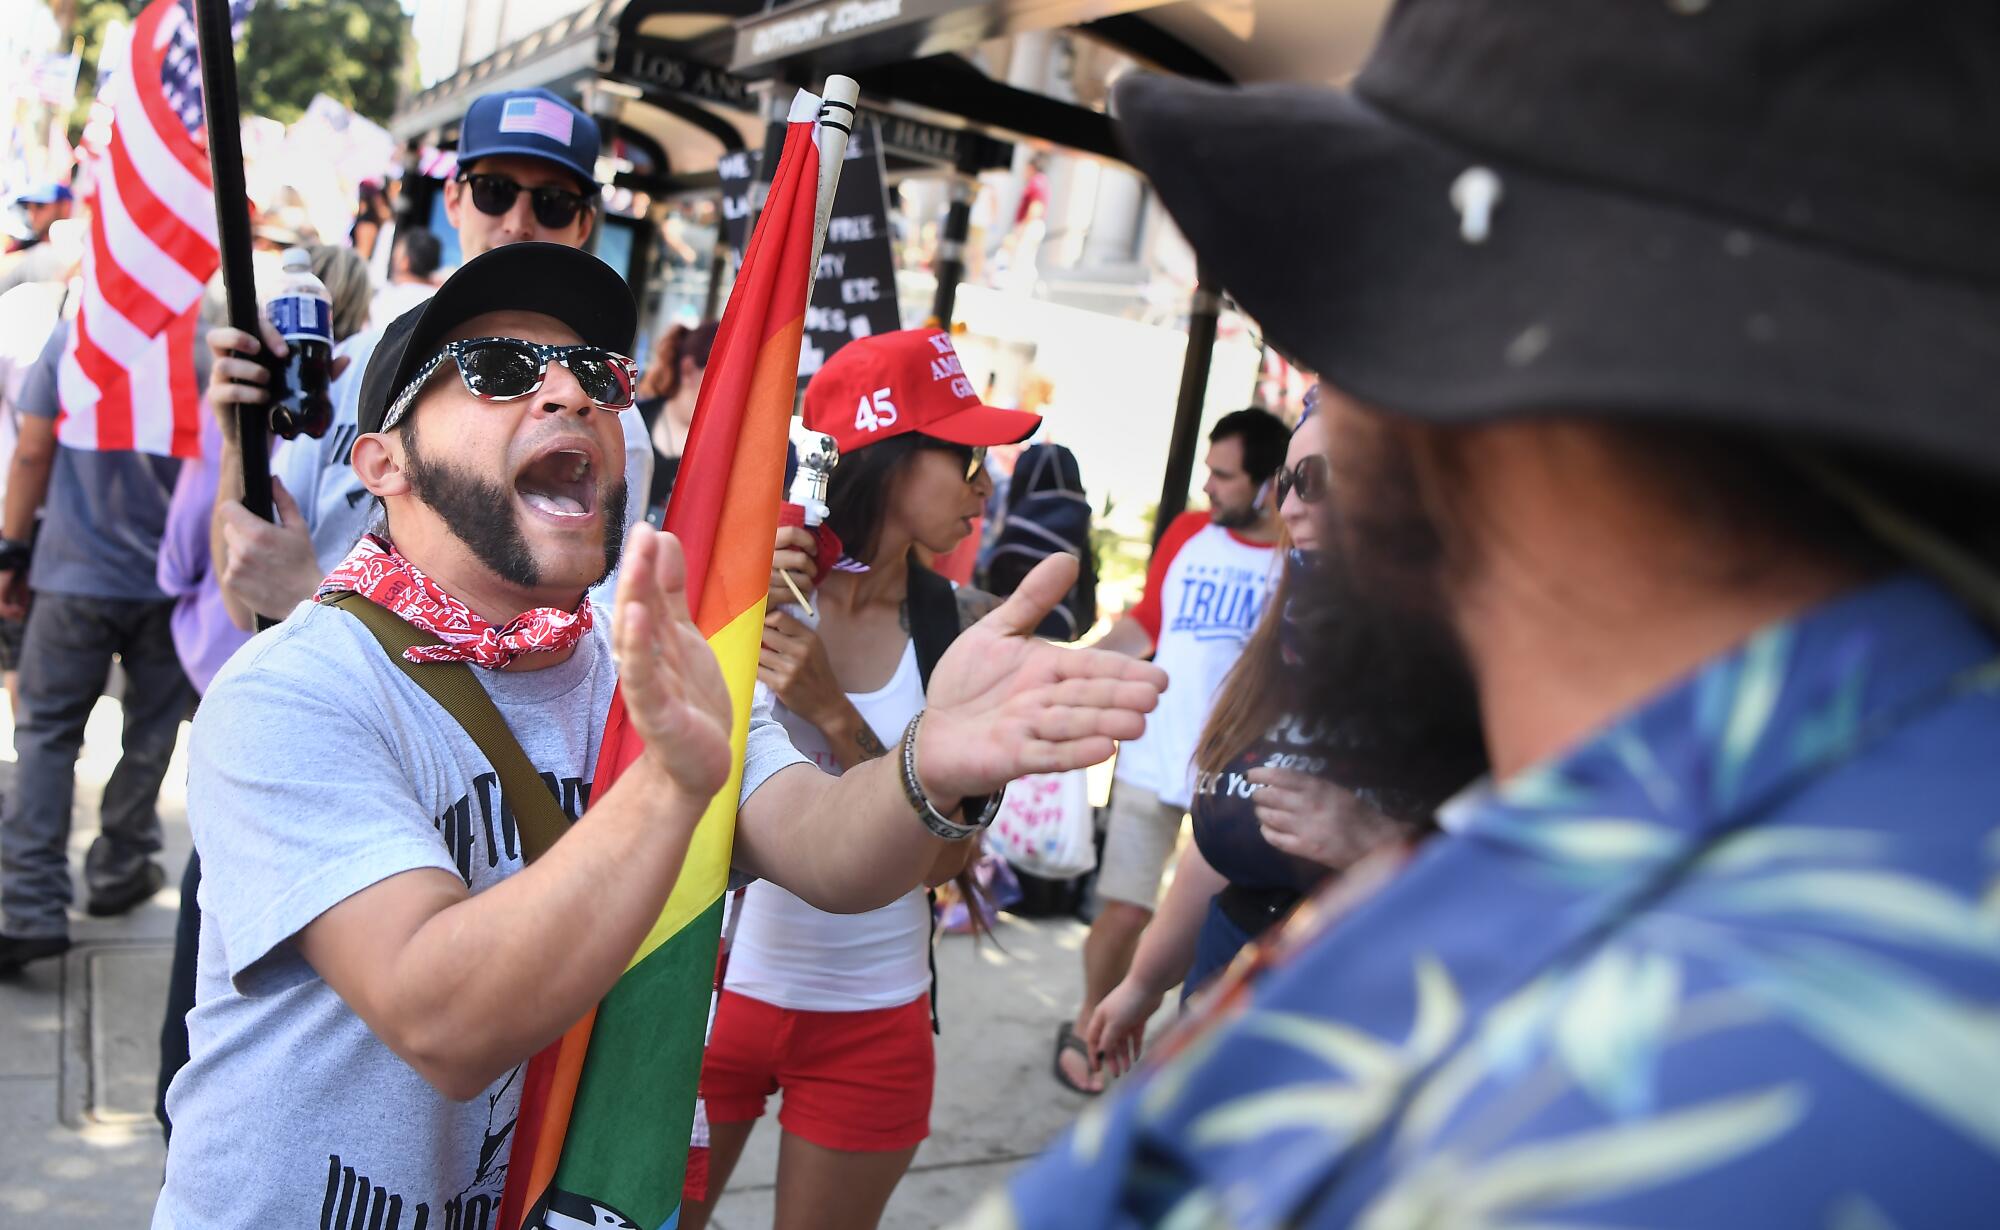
pixel 855 292
pixel 738 172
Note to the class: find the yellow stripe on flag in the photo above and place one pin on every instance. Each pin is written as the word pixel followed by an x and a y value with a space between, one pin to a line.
pixel 705 871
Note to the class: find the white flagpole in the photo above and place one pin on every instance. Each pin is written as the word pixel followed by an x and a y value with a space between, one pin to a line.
pixel 837 117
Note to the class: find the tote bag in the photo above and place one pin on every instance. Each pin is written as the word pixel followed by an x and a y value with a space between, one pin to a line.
pixel 1044 826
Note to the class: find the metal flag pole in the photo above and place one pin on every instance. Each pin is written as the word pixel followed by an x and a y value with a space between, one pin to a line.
pixel 232 229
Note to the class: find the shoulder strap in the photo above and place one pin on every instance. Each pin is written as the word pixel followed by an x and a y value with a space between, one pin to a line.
pixel 933 617
pixel 451 684
pixel 933 627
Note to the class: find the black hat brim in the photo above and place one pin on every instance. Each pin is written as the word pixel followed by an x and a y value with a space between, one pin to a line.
pixel 549 279
pixel 1333 226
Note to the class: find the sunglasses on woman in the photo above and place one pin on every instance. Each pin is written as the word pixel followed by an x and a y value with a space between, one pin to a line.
pixel 1310 478
pixel 507 368
pixel 554 207
pixel 974 455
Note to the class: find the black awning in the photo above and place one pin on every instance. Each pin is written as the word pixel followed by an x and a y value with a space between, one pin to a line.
pixel 817 37
pixel 699 62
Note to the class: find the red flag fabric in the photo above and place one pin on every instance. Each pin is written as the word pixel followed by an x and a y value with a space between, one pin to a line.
pixel 126 380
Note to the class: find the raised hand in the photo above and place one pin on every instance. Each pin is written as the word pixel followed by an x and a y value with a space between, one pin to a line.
pixel 1002 704
pixel 792 554
pixel 674 692
pixel 268 567
pixel 237 377
pixel 1310 818
pixel 792 662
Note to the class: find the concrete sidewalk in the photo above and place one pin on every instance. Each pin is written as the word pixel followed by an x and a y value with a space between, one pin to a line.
pixel 79 1050
pixel 78 1142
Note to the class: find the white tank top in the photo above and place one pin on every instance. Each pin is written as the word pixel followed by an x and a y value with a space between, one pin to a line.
pixel 788 953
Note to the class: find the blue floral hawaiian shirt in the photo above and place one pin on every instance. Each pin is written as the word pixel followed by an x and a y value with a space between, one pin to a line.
pixel 1733 962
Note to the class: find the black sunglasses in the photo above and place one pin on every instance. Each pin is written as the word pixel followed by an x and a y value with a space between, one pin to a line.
pixel 554 207
pixel 974 454
pixel 508 368
pixel 1310 478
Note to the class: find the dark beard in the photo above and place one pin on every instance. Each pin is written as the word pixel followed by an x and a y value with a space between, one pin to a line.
pixel 1237 518
pixel 482 515
pixel 1382 663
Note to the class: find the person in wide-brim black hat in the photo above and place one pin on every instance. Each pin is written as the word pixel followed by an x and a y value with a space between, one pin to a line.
pixel 1658 343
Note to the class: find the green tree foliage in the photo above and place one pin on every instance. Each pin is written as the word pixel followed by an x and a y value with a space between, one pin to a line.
pixel 350 50
pixel 91 17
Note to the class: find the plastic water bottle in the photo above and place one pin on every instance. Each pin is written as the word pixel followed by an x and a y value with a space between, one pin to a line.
pixel 302 313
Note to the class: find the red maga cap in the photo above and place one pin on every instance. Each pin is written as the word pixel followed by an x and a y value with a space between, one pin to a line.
pixel 877 387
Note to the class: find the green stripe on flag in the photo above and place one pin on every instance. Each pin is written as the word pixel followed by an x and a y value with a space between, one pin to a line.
pixel 628 1134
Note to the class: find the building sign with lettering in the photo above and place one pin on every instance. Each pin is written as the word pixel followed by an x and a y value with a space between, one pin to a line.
pixel 785 32
pixel 660 63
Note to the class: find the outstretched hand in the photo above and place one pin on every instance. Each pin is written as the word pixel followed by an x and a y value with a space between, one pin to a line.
pixel 1002 703
pixel 675 696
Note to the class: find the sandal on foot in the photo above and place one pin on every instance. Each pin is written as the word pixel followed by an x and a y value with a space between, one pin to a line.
pixel 1068 1041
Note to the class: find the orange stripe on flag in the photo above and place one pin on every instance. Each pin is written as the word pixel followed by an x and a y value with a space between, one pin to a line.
pixel 562 1099
pixel 739 575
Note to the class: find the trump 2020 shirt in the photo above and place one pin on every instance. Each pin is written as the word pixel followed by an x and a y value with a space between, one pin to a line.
pixel 1205 589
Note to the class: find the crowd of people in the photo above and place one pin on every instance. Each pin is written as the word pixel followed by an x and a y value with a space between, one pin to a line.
pixel 1568 739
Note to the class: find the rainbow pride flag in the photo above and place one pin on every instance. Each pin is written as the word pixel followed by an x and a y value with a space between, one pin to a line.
pixel 606 1111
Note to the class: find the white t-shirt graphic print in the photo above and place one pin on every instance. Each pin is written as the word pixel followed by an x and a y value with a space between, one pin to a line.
pixel 316 770
pixel 1205 589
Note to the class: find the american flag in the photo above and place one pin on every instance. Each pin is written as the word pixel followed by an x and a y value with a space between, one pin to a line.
pixel 538 116
pixel 127 380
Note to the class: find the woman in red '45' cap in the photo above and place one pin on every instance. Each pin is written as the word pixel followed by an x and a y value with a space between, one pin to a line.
pixel 837 1010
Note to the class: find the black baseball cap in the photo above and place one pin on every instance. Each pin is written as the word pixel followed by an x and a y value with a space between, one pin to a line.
pixel 551 279
pixel 1775 218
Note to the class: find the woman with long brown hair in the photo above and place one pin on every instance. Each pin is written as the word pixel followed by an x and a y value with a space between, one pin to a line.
pixel 1270 821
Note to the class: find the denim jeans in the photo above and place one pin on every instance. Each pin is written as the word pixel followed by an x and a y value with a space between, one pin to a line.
pixel 65 659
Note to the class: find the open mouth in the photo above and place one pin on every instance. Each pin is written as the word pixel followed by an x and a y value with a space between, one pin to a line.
pixel 559 484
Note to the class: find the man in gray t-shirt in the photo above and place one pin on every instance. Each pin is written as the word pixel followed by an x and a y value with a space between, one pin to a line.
pixel 320 770
pixel 266 568
pixel 376 962
pixel 94 597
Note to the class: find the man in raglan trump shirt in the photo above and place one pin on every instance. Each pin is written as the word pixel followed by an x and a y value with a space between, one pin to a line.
pixel 1205 587
pixel 372 977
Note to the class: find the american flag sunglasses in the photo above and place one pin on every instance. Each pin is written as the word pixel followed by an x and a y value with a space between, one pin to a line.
pixel 508 368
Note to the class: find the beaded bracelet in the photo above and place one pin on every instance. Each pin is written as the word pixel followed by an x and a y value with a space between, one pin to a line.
pixel 933 819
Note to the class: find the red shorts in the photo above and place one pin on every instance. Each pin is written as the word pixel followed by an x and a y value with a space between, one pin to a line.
pixel 856 1081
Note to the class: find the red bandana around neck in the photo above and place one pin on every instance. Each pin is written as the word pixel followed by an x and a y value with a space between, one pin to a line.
pixel 379 573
